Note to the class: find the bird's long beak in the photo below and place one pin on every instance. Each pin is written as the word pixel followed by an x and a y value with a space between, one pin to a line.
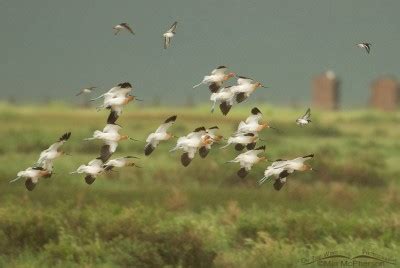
pixel 133 139
pixel 277 130
pixel 264 86
pixel 67 154
pixel 137 99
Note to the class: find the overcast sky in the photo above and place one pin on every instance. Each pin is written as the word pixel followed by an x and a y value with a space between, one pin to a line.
pixel 50 48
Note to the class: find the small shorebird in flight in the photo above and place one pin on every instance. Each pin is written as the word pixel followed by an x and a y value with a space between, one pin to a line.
pixel 169 34
pixel 217 77
pixel 247 160
pixel 93 169
pixel 365 45
pixel 226 98
pixel 191 143
pixel 212 137
pixel 252 125
pixel 281 169
pixel 119 163
pixel 86 90
pixel 160 134
pixel 245 87
pixel 32 175
pixel 305 119
pixel 243 140
pixel 122 26
pixel 110 137
pixel 115 99
pixel 47 156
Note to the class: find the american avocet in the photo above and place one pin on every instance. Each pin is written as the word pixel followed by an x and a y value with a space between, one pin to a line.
pixel 93 169
pixel 121 90
pixel 119 162
pixel 160 134
pixel 211 135
pixel 251 124
pixel 244 88
pixel 32 176
pixel 247 160
pixel 226 98
pixel 169 34
pixel 365 45
pixel 122 26
pixel 281 169
pixel 86 90
pixel 191 143
pixel 110 137
pixel 305 119
pixel 242 140
pixel 54 151
pixel 217 77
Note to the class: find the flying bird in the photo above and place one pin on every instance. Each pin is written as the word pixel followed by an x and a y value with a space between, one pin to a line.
pixel 281 169
pixel 243 140
pixel 86 90
pixel 32 176
pixel 244 88
pixel 247 160
pixel 169 34
pixel 160 134
pixel 252 123
pixel 92 170
pixel 191 143
pixel 226 98
pixel 365 45
pixel 216 79
pixel 119 163
pixel 122 26
pixel 212 137
pixel 47 156
pixel 305 119
pixel 110 136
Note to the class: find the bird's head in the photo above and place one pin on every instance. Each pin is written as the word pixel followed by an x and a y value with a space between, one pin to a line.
pixel 123 137
pixel 171 136
pixel 258 85
pixel 230 75
pixel 306 168
pixel 263 158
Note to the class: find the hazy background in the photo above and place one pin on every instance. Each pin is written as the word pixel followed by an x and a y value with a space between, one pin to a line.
pixel 50 49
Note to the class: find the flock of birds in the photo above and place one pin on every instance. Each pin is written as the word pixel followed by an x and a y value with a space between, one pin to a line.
pixel 199 140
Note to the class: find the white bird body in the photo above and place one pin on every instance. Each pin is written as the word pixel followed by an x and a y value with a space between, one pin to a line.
pixel 250 127
pixel 169 34
pixel 241 138
pixel 223 95
pixel 249 158
pixel 119 163
pixel 305 119
pixel 159 135
pixel 122 26
pixel 33 174
pixel 93 168
pixel 215 80
pixel 47 156
pixel 244 88
pixel 283 168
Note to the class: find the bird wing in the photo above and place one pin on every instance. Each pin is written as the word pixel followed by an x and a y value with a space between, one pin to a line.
pixel 254 118
pixel 307 115
pixel 219 70
pixel 95 162
pixel 112 146
pixel 60 142
pixel 167 124
pixel 111 128
pixel 126 26
pixel 172 29
pixel 167 42
pixel 242 80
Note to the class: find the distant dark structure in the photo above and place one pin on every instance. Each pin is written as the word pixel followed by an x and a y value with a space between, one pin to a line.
pixel 385 94
pixel 325 91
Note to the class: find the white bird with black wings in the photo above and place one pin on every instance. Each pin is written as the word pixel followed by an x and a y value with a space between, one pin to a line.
pixel 169 34
pixel 160 134
pixel 216 79
pixel 247 160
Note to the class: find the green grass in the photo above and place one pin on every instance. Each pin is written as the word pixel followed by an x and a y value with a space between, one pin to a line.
pixel 164 215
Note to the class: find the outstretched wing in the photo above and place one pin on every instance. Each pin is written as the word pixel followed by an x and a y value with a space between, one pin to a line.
pixel 167 124
pixel 172 29
pixel 307 115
